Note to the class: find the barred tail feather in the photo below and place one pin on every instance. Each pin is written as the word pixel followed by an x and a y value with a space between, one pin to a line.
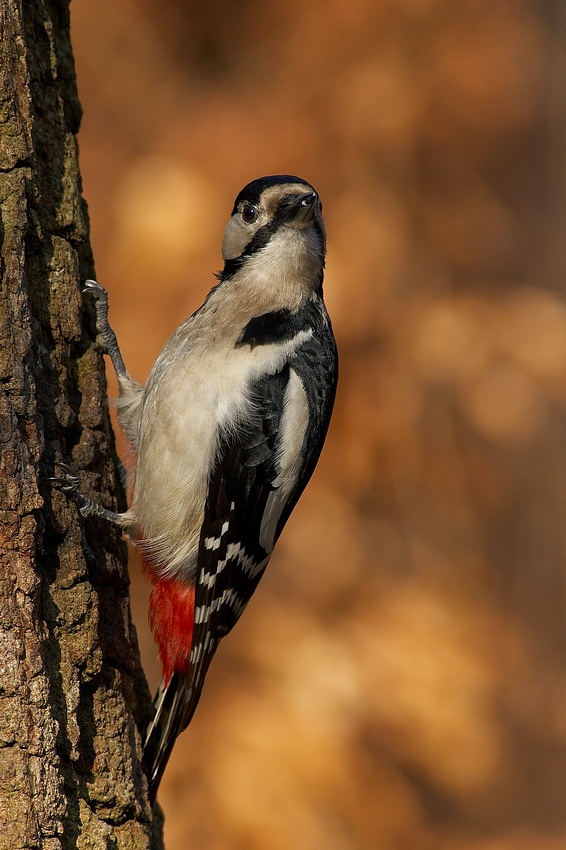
pixel 175 704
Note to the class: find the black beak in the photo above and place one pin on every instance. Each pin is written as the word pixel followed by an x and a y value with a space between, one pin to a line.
pixel 298 209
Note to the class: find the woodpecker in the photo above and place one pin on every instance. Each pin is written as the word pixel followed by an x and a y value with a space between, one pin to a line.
pixel 226 432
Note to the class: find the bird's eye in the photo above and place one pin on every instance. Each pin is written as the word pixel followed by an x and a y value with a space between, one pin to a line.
pixel 249 213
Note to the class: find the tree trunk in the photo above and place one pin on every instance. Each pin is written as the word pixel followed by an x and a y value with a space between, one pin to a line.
pixel 72 693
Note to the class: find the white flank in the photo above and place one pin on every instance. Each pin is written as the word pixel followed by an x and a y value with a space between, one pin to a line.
pixel 197 402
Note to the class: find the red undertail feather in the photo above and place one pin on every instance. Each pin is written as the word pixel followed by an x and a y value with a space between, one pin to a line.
pixel 171 618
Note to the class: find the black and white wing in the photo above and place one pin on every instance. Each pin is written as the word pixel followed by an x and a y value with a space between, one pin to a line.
pixel 263 467
pixel 261 472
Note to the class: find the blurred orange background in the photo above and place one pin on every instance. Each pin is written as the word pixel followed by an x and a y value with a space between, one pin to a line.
pixel 399 680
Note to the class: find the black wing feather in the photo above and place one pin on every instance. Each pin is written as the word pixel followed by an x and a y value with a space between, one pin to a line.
pixel 231 560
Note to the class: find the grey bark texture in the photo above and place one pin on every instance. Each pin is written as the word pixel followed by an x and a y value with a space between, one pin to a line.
pixel 72 692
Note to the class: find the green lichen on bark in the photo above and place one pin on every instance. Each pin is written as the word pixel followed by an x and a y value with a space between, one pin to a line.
pixel 72 694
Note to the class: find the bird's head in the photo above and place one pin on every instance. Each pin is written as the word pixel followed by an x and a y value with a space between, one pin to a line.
pixel 276 225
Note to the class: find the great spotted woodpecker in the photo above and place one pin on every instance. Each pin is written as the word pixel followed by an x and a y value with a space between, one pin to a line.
pixel 227 432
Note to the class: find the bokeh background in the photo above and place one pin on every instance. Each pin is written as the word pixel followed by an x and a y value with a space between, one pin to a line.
pixel 399 680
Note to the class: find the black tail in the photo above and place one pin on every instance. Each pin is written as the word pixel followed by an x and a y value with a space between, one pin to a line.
pixel 174 709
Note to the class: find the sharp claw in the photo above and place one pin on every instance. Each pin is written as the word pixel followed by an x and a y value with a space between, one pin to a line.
pixel 68 482
pixel 106 338
pixel 64 486
pixel 95 288
pixel 65 468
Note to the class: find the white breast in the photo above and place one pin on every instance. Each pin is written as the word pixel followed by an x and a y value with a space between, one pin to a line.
pixel 190 400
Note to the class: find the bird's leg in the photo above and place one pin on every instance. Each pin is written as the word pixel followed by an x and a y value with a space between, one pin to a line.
pixel 68 483
pixel 131 392
pixel 106 337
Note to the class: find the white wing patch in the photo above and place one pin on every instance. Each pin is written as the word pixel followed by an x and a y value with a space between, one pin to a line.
pixel 294 423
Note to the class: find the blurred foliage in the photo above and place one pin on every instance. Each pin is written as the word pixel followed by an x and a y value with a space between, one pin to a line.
pixel 399 680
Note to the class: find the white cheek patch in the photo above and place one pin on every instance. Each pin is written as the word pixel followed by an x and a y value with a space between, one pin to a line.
pixel 238 235
pixel 294 423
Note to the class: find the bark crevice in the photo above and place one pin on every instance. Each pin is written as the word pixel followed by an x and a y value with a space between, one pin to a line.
pixel 72 692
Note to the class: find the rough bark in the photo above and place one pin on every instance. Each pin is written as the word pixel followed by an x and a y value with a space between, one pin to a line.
pixel 72 693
